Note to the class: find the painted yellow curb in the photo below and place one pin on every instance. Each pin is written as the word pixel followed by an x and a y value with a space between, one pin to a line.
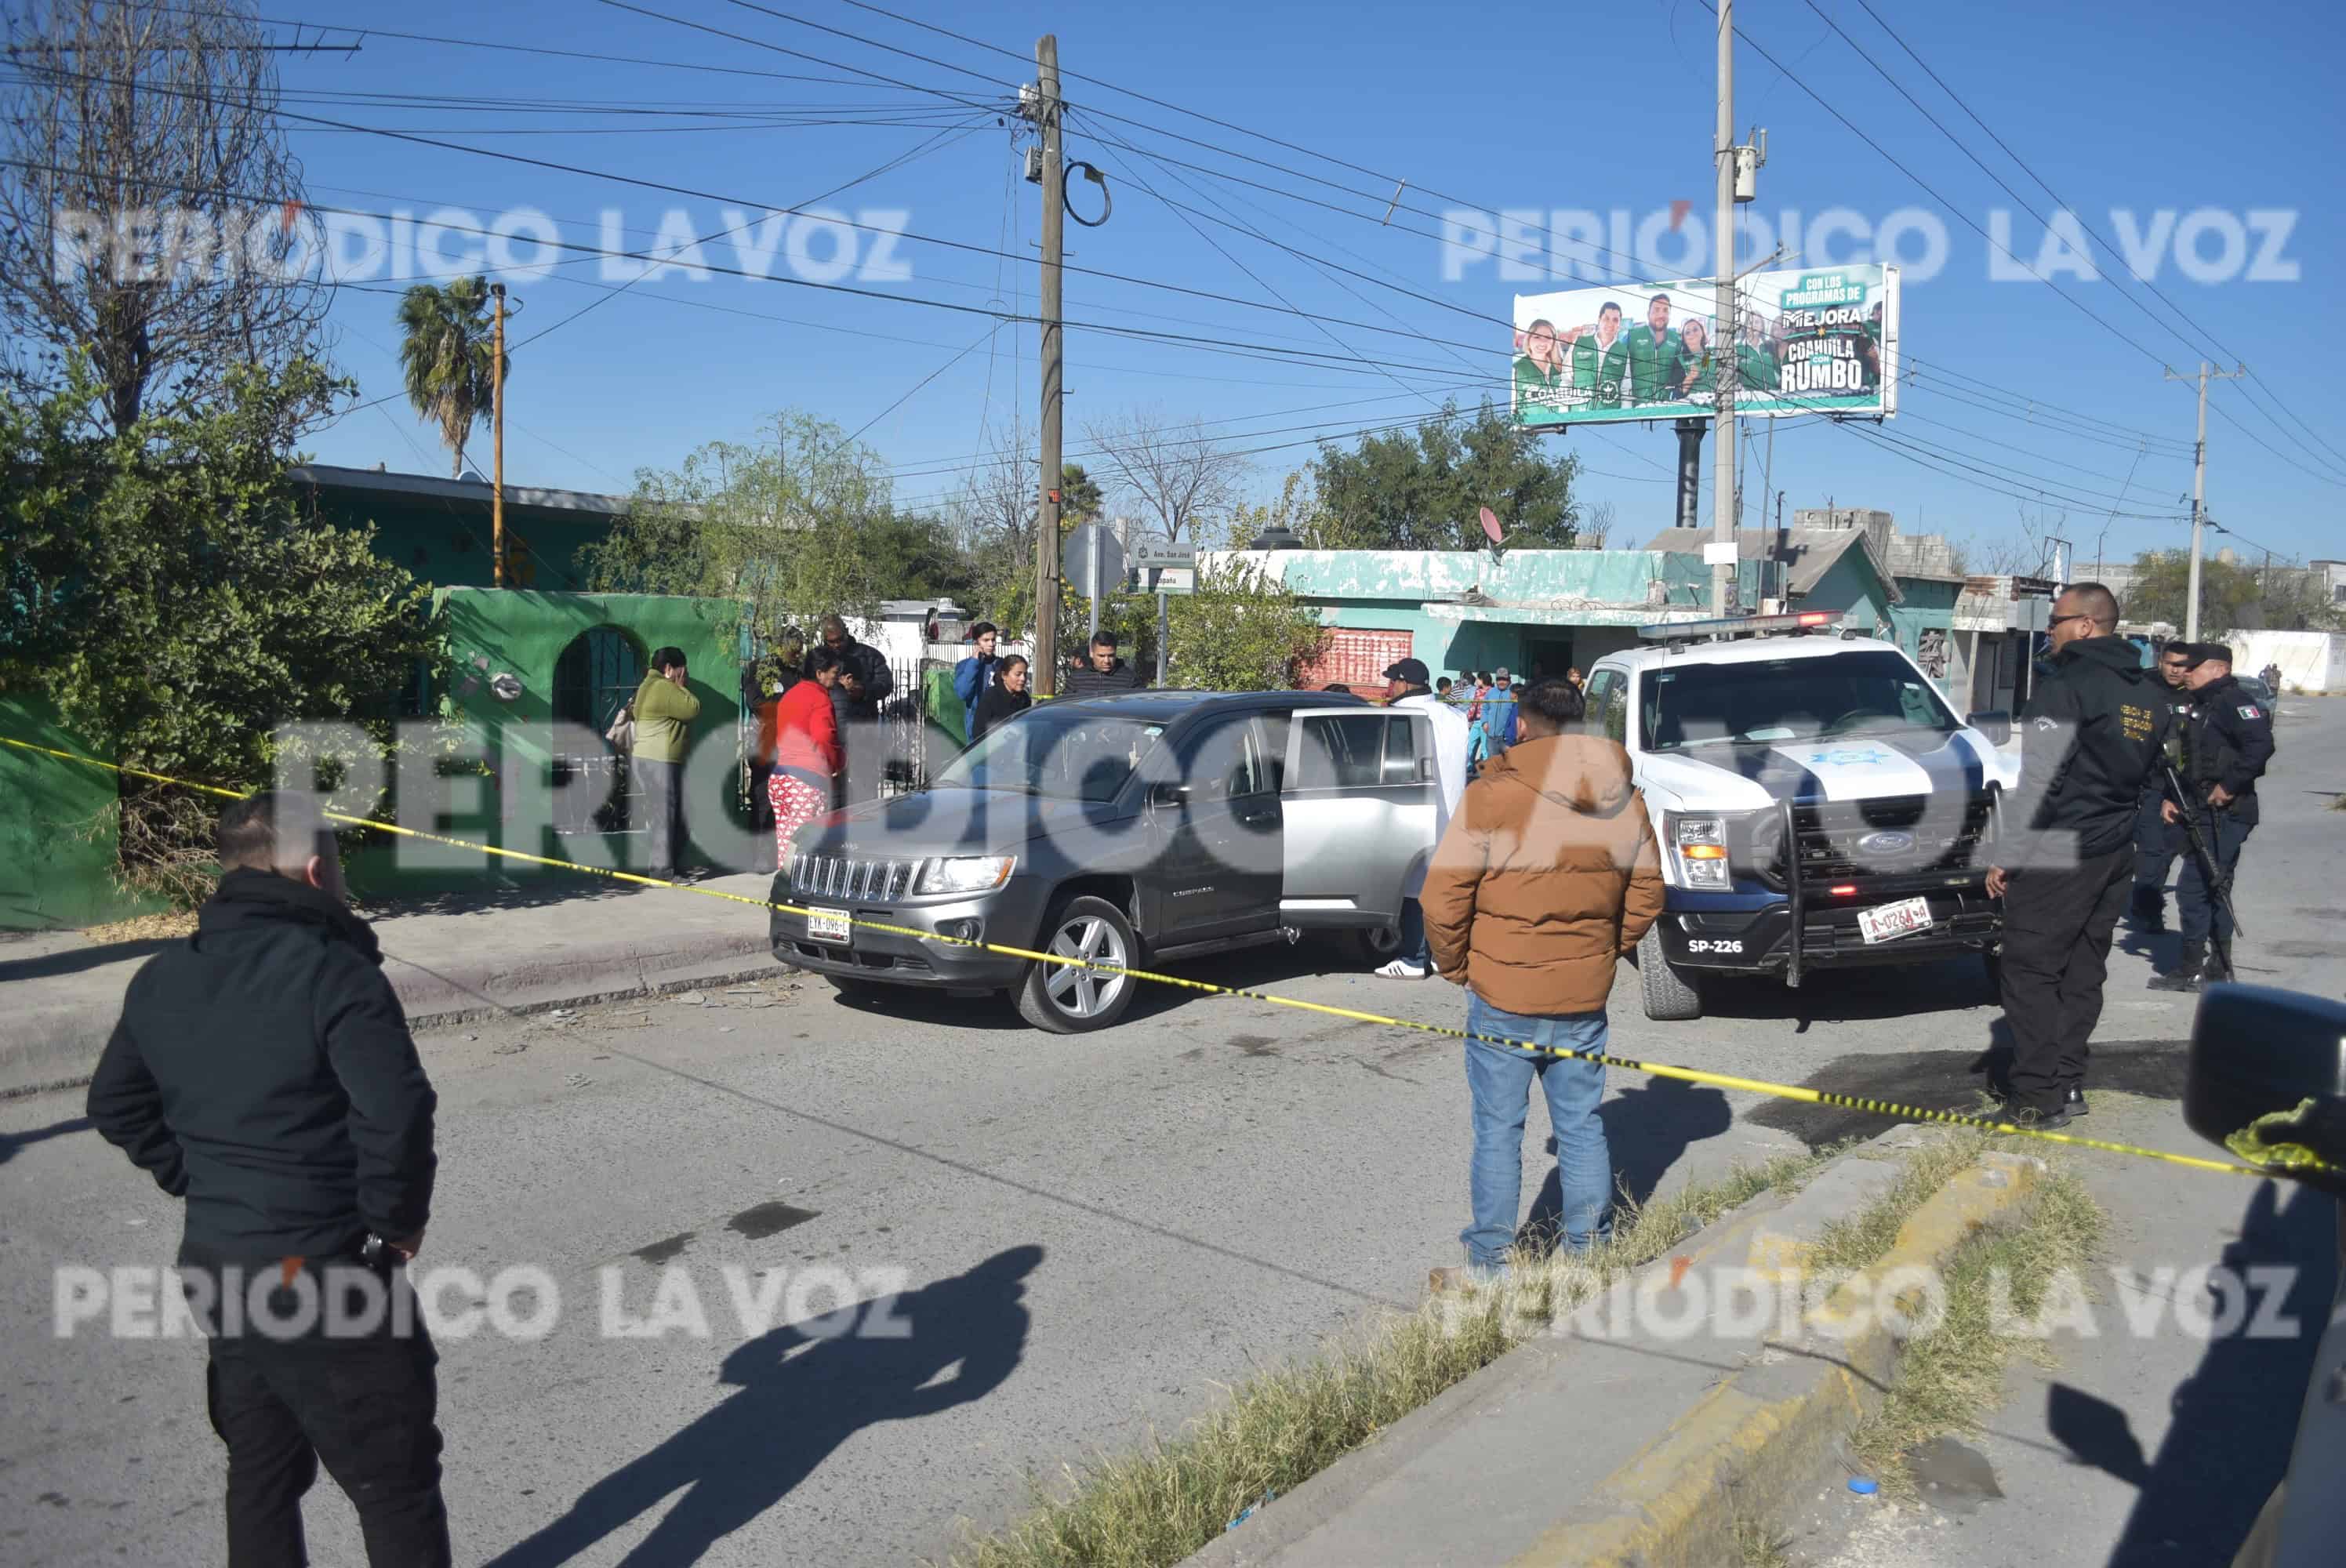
pixel 1673 1506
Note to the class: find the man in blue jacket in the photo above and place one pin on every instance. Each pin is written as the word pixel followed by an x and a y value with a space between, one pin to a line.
pixel 975 674
pixel 1499 713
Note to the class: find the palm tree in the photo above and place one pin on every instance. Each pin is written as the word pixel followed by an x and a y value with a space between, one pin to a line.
pixel 445 353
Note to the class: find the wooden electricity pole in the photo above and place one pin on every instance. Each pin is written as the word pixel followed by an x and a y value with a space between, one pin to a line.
pixel 1045 667
pixel 497 440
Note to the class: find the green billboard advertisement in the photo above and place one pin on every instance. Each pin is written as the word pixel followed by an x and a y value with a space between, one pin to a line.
pixel 1813 340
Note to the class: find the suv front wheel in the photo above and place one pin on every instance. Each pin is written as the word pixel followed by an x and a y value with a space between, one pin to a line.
pixel 1068 999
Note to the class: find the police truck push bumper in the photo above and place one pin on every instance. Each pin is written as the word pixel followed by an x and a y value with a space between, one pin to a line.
pixel 1786 933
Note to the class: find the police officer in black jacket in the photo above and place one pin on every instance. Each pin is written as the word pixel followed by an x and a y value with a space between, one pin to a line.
pixel 263 1070
pixel 2064 859
pixel 2226 746
pixel 2156 840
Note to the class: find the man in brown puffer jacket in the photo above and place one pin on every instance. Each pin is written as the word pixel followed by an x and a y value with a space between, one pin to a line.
pixel 1547 876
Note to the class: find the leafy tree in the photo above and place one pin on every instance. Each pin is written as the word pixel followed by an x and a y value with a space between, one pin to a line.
pixel 447 352
pixel 170 592
pixel 792 530
pixel 1425 491
pixel 1080 500
pixel 1242 630
pixel 151 219
pixel 2232 598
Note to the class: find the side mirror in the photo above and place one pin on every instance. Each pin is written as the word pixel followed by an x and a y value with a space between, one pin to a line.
pixel 1995 724
pixel 2260 1052
pixel 1168 794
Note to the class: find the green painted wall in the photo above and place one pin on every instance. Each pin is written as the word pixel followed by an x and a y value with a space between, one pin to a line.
pixel 57 827
pixel 445 543
pixel 1567 606
pixel 523 633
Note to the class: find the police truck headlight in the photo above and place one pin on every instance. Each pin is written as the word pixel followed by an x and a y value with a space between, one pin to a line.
pixel 966 874
pixel 1700 846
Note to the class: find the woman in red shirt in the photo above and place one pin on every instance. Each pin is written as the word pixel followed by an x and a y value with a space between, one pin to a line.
pixel 807 754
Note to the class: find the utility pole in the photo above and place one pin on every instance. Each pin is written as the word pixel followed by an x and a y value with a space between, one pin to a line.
pixel 1723 455
pixel 2199 489
pixel 498 441
pixel 1046 666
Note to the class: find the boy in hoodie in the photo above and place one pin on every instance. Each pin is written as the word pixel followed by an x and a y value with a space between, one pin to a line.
pixel 2095 726
pixel 1547 877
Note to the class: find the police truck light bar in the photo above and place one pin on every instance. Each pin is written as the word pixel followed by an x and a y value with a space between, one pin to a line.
pixel 1740 626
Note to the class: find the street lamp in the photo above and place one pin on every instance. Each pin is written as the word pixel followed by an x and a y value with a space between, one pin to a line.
pixel 1277 536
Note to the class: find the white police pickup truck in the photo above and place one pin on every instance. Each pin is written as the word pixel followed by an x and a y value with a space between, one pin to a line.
pixel 1818 802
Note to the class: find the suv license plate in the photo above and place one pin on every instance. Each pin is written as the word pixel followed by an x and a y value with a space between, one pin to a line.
pixel 1888 921
pixel 832 925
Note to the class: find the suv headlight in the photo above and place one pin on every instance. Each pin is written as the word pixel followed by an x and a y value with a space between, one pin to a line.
pixel 966 874
pixel 1698 845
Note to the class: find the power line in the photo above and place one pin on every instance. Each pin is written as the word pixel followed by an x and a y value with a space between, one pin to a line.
pixel 2222 352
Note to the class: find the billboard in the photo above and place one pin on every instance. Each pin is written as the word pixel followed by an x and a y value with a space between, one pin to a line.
pixel 1813 340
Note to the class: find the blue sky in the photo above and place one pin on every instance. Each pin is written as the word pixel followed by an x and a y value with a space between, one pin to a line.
pixel 2179 111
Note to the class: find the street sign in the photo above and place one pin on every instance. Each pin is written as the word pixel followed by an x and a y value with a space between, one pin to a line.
pixel 1148 578
pixel 1163 553
pixel 1092 562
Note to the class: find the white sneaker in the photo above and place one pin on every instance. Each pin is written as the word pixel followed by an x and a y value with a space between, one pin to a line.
pixel 1401 969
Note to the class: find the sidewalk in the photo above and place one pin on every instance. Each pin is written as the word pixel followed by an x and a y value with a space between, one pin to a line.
pixel 450 959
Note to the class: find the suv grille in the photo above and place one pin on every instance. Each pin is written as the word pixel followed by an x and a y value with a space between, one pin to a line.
pixel 1831 837
pixel 836 876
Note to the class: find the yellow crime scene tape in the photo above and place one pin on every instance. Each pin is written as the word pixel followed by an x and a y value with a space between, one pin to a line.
pixel 2301 1165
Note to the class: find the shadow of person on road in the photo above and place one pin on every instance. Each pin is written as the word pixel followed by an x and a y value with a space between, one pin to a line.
pixel 2235 1418
pixel 11 1142
pixel 1649 1126
pixel 802 1395
pixel 75 960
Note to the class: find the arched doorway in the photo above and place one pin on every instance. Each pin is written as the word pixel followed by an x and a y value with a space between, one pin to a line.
pixel 594 677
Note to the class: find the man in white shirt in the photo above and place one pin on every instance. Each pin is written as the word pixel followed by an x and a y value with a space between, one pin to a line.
pixel 1408 683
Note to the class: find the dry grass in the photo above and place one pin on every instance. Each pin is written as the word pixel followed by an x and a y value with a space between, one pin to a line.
pixel 169 925
pixel 1949 1380
pixel 1159 1504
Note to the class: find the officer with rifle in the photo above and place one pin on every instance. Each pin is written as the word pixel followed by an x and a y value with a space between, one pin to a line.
pixel 2225 746
pixel 2156 840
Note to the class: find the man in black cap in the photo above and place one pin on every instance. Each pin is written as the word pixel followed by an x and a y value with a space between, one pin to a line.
pixel 1407 687
pixel 2156 840
pixel 2227 744
pixel 264 1071
pixel 2095 725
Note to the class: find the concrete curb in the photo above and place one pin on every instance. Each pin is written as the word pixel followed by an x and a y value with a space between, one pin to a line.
pixel 1765 1431
pixel 1476 1474
pixel 54 1046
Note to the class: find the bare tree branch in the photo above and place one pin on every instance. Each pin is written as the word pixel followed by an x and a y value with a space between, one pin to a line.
pixel 137 136
pixel 1173 472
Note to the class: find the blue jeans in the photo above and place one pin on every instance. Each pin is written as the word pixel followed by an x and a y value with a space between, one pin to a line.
pixel 1415 946
pixel 1500 1081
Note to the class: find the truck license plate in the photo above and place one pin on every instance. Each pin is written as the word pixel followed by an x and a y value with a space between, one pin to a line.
pixel 832 925
pixel 1888 921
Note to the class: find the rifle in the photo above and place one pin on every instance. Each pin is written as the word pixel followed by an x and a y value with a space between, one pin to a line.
pixel 2219 885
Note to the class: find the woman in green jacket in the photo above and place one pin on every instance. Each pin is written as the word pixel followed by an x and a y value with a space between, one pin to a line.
pixel 664 709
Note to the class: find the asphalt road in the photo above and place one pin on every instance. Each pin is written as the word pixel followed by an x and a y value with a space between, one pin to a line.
pixel 1088 1237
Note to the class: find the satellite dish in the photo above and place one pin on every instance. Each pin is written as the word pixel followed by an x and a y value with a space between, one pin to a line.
pixel 1491 526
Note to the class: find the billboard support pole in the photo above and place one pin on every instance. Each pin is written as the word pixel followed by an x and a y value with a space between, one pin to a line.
pixel 1723 481
pixel 1689 473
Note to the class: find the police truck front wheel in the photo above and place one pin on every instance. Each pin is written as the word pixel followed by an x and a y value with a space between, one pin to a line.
pixel 1671 995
